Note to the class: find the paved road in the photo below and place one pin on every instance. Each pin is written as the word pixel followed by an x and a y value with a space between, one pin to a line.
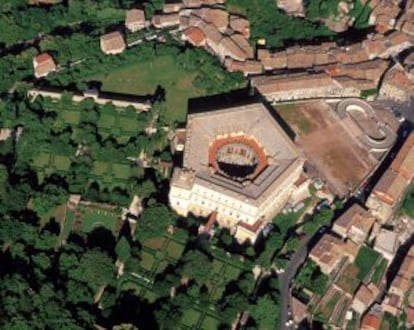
pixel 285 279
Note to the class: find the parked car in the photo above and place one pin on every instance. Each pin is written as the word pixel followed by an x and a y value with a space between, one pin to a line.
pixel 324 203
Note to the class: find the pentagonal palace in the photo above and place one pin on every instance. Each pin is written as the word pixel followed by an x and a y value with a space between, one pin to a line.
pixel 238 163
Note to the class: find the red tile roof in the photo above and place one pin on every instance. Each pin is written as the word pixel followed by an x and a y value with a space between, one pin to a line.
pixel 370 321
pixel 253 228
pixel 195 36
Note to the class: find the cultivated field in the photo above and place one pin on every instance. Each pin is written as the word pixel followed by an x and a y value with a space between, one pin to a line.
pixel 328 147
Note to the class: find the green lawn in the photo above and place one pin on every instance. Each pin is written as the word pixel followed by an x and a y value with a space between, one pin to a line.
pixel 71 117
pixel 154 243
pixel 61 163
pixel 365 260
pixel 210 323
pixel 190 318
pixel 100 168
pixel 175 250
pixel 93 218
pixel 41 160
pixel 121 171
pixel 144 77
pixel 128 124
pixel 147 261
pixel 379 271
pixel 68 226
pixel 106 120
pixel 231 273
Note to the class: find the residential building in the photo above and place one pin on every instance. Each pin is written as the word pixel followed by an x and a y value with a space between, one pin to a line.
pixel 364 297
pixel 355 224
pixel 248 67
pixel 240 25
pixel 381 46
pixel 330 251
pixel 400 286
pixel 370 322
pixel 292 7
pixel 43 64
pixel 244 172
pixel 160 21
pixel 299 310
pixel 194 36
pixel 397 85
pixel 406 20
pixel 135 20
pixel 384 14
pixel 218 17
pixel 390 188
pixel 113 43
pixel 399 297
pixel 307 86
pixel 410 317
pixel 386 243
pixel 172 7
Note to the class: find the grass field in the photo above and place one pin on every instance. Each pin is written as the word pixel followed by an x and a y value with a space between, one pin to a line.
pixel 365 261
pixel 147 261
pixel 329 307
pixel 379 272
pixel 93 218
pixel 68 226
pixel 144 77
pixel 190 318
pixel 348 281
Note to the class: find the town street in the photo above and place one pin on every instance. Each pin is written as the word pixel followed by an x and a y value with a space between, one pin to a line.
pixel 285 279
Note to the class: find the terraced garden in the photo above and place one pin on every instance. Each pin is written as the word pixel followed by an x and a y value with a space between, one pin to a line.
pixel 108 171
pixel 87 218
pixel 160 252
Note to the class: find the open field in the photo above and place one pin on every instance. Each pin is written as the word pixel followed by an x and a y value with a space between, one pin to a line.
pixel 143 78
pixel 365 261
pixel 327 146
pixel 348 281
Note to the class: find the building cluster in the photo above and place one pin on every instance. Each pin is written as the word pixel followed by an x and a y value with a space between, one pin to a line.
pixel 400 296
pixel 392 14
pixel 398 81
pixel 201 23
pixel 387 193
pixel 327 70
pixel 370 230
pixel 341 71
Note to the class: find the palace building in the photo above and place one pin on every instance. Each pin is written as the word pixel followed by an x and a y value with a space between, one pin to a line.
pixel 238 163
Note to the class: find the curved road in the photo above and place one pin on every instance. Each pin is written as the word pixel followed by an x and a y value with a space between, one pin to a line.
pixel 285 279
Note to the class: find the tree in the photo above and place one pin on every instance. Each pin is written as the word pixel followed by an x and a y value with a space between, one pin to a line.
pixel 408 203
pixel 265 313
pixel 231 305
pixel 50 197
pixel 154 221
pixel 145 189
pixel 123 249
pixel 95 268
pixel 196 265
